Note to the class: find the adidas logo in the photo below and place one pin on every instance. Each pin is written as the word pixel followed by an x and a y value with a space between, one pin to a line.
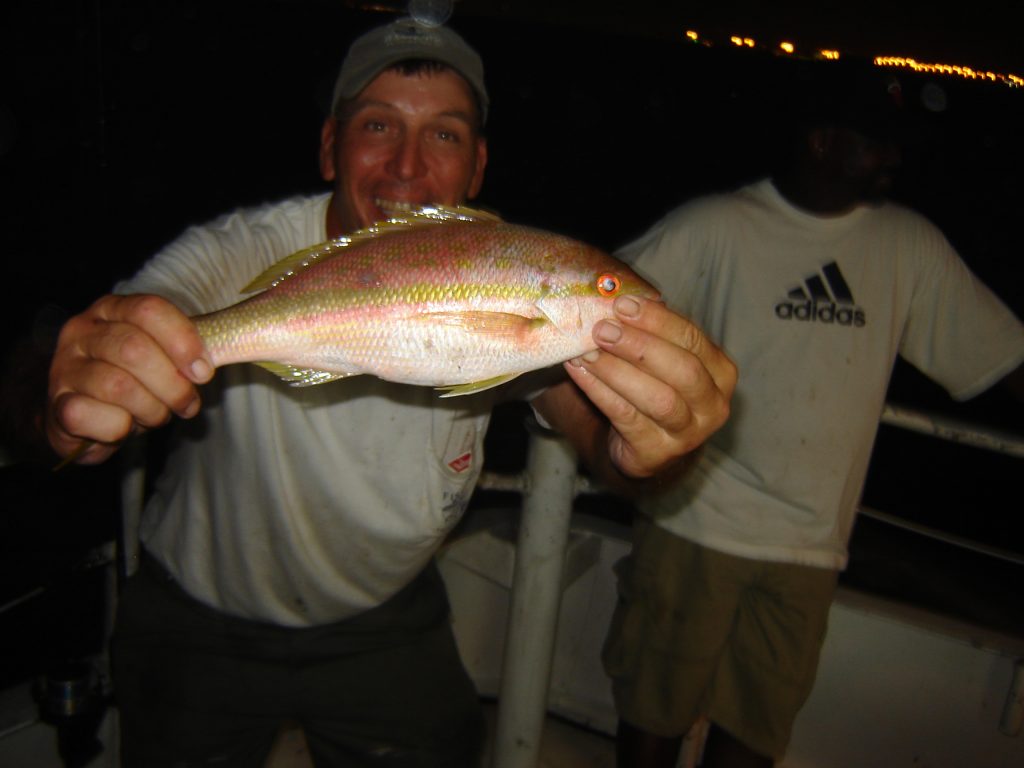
pixel 822 298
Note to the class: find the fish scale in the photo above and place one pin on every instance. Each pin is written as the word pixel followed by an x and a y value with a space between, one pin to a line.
pixel 456 298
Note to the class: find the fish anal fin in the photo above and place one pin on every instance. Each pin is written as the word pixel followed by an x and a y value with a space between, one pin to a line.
pixel 472 387
pixel 302 377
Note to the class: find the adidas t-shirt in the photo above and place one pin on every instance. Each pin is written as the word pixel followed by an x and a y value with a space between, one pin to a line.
pixel 814 311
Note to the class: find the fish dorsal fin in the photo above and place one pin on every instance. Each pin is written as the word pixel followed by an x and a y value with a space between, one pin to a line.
pixel 436 214
pixel 399 220
pixel 297 262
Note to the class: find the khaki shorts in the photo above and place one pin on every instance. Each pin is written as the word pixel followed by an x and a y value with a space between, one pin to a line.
pixel 698 632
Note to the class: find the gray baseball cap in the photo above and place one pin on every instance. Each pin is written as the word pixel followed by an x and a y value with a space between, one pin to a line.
pixel 404 39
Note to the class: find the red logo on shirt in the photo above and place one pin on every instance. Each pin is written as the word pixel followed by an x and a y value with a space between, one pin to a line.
pixel 462 463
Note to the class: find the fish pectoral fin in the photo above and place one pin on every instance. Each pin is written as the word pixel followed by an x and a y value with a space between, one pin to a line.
pixel 302 377
pixel 476 386
pixel 488 323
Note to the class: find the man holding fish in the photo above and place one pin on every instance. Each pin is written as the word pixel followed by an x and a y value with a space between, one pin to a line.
pixel 288 544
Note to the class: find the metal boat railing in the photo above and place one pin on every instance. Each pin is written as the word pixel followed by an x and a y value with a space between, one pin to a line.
pixel 953 430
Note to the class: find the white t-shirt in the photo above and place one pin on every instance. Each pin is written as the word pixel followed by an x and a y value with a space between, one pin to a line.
pixel 299 506
pixel 814 311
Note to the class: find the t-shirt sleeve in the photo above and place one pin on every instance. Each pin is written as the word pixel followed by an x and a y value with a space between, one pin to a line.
pixel 207 267
pixel 177 274
pixel 958 332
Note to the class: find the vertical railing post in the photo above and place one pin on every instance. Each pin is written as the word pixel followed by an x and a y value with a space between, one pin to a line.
pixel 536 597
pixel 133 486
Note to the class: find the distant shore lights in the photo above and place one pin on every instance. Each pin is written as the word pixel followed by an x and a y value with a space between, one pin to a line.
pixel 789 49
pixel 949 69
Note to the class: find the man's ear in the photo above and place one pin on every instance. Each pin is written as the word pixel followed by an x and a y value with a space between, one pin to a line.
pixel 328 135
pixel 477 180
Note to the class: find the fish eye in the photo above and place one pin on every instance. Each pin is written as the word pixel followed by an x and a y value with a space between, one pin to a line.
pixel 608 285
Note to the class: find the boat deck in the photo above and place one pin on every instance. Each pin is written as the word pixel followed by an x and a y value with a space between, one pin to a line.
pixel 564 745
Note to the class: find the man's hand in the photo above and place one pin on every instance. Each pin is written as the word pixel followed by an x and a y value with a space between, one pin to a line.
pixel 662 385
pixel 124 365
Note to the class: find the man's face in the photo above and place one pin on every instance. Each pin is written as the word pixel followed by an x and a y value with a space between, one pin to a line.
pixel 405 139
pixel 869 164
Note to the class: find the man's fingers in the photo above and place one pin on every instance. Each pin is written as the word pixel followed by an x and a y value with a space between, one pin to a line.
pixel 623 391
pixel 662 326
pixel 86 428
pixel 667 382
pixel 664 387
pixel 132 369
pixel 171 330
pixel 126 363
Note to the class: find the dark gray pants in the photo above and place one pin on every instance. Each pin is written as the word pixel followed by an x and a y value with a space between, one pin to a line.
pixel 198 688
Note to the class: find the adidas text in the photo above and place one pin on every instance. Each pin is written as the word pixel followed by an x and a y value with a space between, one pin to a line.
pixel 821 313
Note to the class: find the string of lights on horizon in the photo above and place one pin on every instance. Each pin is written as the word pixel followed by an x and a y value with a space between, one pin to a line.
pixel 827 54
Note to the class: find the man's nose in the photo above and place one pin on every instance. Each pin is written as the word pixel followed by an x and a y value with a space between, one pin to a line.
pixel 407 161
pixel 891 154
